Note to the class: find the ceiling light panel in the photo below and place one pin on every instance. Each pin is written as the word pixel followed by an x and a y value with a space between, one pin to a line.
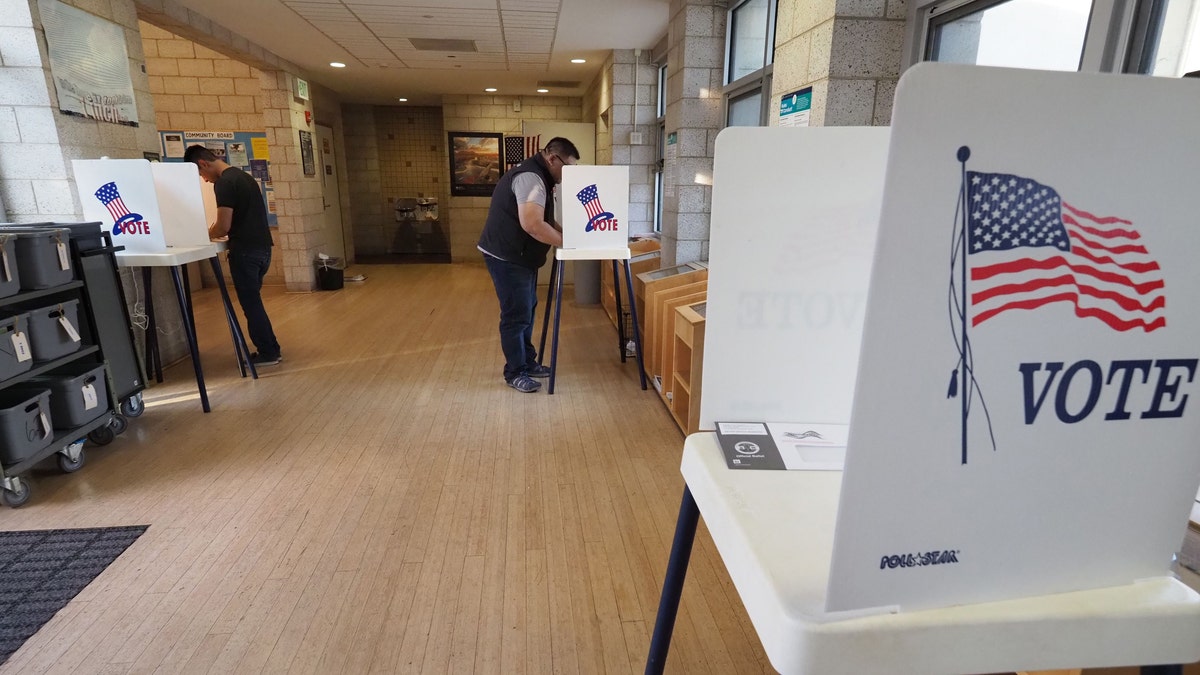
pixel 543 20
pixel 424 17
pixel 530 5
pixel 320 10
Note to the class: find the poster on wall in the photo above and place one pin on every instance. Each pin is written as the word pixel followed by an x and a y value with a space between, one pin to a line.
pixel 247 150
pixel 794 108
pixel 89 64
pixel 475 163
pixel 307 161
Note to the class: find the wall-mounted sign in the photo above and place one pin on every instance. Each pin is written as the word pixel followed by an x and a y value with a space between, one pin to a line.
pixel 301 89
pixel 794 108
pixel 89 64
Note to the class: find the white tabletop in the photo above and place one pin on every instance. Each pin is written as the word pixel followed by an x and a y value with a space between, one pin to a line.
pixel 592 253
pixel 774 530
pixel 173 256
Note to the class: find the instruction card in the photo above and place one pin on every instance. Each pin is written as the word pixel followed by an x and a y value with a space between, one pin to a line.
pixel 783 446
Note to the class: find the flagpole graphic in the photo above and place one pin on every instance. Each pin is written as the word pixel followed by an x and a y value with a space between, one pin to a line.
pixel 1024 247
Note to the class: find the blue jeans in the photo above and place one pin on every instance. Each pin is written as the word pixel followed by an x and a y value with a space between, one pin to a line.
pixel 516 288
pixel 247 267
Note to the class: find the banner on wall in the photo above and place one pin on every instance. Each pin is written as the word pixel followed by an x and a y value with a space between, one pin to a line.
pixel 89 64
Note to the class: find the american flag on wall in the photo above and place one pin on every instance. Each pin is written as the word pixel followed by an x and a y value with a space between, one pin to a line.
pixel 519 148
pixel 1029 248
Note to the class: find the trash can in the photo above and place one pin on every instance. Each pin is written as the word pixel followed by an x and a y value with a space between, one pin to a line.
pixel 330 274
pixel 587 282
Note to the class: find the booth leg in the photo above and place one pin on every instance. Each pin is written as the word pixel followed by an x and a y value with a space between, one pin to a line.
pixel 546 313
pixel 235 327
pixel 637 336
pixel 668 604
pixel 1162 670
pixel 189 328
pixel 557 319
pixel 153 358
pixel 620 315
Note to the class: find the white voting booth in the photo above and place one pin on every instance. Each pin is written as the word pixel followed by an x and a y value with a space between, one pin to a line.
pixel 147 206
pixel 595 226
pixel 1021 458
pixel 157 212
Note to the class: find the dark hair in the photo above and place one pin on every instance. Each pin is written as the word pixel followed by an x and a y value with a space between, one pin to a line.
pixel 195 153
pixel 1194 73
pixel 561 146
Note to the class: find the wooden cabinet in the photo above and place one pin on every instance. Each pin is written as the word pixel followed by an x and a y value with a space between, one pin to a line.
pixel 687 366
pixel 659 322
pixel 662 279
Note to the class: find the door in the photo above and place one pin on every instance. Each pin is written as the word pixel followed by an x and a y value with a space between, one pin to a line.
pixel 332 232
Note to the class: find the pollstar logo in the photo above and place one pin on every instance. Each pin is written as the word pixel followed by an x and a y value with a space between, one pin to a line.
pixel 599 220
pixel 124 222
pixel 1023 247
pixel 923 559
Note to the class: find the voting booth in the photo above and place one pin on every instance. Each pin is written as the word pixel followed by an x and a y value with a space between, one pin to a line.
pixel 1019 424
pixel 595 226
pixel 146 206
pixel 157 212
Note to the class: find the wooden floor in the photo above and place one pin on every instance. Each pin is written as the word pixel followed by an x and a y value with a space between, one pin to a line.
pixel 382 502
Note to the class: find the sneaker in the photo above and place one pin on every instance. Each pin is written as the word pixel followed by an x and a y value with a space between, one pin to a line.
pixel 260 360
pixel 524 384
pixel 538 370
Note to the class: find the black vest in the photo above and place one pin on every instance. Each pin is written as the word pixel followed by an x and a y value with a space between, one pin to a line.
pixel 502 235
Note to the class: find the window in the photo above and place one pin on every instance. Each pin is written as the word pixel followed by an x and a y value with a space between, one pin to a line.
pixel 662 141
pixel 1173 29
pixel 749 53
pixel 745 110
pixel 1157 37
pixel 1044 34
pixel 749 28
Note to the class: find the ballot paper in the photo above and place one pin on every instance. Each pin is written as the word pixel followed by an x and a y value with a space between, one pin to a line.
pixel 783 445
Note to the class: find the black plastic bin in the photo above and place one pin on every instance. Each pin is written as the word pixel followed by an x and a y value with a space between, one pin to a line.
pixel 22 430
pixel 73 388
pixel 10 279
pixel 47 336
pixel 330 275
pixel 11 364
pixel 38 263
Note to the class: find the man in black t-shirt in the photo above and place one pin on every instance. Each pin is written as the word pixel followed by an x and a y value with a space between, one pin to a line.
pixel 242 216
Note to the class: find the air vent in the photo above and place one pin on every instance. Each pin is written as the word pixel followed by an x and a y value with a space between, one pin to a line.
pixel 438 45
pixel 558 84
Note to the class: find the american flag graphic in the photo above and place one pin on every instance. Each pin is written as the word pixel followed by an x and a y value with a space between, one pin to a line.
pixel 111 199
pixel 519 148
pixel 1029 248
pixel 590 198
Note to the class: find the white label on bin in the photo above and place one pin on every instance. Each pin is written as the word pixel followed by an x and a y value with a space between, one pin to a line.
pixel 21 345
pixel 90 400
pixel 71 332
pixel 7 269
pixel 46 430
pixel 63 261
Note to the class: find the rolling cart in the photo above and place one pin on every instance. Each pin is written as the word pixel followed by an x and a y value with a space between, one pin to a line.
pixel 65 330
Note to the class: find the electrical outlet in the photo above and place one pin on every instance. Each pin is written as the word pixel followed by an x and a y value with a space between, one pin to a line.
pixel 517 105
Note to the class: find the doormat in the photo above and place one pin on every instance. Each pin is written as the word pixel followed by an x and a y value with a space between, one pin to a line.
pixel 41 570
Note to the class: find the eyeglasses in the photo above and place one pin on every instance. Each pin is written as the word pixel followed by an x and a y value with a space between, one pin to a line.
pixel 560 159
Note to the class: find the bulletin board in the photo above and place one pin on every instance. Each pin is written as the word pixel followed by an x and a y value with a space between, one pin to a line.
pixel 246 150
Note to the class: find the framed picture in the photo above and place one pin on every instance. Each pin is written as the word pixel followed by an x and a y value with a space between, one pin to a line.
pixel 475 163
pixel 306 154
